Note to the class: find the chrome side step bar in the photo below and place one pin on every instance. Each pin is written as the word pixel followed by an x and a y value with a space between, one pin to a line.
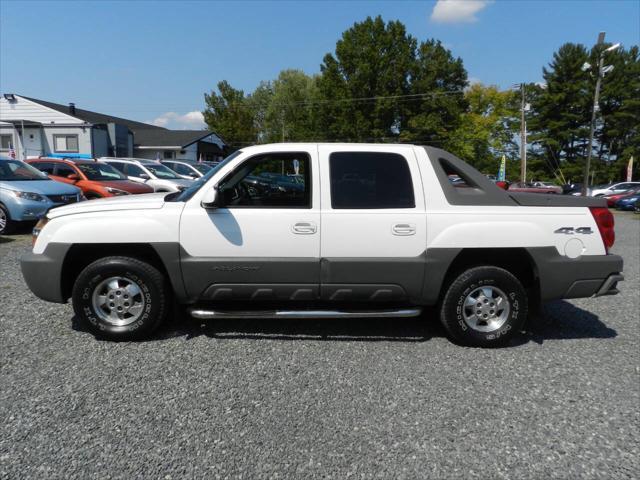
pixel 204 314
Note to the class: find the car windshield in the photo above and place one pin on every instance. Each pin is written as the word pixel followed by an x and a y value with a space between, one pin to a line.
pixel 189 192
pixel 161 171
pixel 202 168
pixel 100 171
pixel 15 170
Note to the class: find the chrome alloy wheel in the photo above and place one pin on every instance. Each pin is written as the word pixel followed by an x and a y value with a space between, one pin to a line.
pixel 118 301
pixel 486 309
pixel 3 220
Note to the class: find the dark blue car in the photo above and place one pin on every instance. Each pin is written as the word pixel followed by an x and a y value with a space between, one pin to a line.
pixel 27 194
pixel 628 201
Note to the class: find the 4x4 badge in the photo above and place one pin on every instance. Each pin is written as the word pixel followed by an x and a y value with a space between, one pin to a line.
pixel 571 230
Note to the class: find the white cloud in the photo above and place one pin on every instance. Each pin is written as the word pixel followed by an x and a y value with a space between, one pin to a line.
pixel 457 11
pixel 189 121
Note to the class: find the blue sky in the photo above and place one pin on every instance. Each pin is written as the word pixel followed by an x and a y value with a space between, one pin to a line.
pixel 152 61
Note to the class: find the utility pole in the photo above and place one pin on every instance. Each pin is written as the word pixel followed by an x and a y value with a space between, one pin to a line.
pixel 523 138
pixel 601 71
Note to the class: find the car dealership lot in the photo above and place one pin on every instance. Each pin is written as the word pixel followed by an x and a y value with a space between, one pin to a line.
pixel 367 398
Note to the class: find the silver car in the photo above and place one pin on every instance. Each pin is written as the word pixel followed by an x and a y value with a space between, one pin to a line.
pixel 187 168
pixel 150 172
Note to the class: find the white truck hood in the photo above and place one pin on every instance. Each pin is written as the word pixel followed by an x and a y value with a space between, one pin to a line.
pixel 125 202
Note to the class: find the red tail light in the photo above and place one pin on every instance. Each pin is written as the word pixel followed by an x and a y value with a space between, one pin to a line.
pixel 605 222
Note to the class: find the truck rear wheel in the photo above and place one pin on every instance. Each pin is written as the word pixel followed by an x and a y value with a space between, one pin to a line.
pixel 484 307
pixel 120 298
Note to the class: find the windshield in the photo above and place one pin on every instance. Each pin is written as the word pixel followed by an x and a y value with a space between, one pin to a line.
pixel 189 192
pixel 14 170
pixel 202 168
pixel 100 171
pixel 160 171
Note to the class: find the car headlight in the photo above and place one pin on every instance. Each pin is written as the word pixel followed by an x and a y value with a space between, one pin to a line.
pixel 38 228
pixel 36 197
pixel 116 191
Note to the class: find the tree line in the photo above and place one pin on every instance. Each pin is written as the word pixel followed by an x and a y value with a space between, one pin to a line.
pixel 383 85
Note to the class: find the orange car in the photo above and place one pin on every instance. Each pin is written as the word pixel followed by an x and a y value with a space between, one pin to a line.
pixel 95 179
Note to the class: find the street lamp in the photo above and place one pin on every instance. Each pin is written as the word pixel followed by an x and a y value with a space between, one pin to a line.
pixel 602 71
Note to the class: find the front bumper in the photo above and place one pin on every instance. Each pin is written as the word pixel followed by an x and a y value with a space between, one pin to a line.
pixel 586 276
pixel 43 272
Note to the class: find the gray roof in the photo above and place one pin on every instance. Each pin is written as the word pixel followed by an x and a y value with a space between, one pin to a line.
pixel 94 117
pixel 144 133
pixel 168 138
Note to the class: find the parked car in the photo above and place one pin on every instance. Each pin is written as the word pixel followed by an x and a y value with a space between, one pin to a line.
pixel 601 190
pixel 628 202
pixel 572 189
pixel 614 197
pixel 549 186
pixel 534 187
pixel 152 173
pixel 95 179
pixel 376 231
pixel 26 194
pixel 187 168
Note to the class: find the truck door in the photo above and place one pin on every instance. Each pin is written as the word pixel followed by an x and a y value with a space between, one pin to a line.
pixel 374 237
pixel 264 243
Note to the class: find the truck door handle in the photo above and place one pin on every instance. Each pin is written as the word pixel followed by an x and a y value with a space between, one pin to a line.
pixel 404 229
pixel 304 228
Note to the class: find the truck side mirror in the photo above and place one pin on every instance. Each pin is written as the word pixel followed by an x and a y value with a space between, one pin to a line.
pixel 209 201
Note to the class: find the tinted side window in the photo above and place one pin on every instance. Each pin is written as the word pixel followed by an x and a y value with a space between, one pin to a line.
pixel 275 180
pixel 181 169
pixel 118 166
pixel 64 170
pixel 370 180
pixel 45 167
pixel 134 170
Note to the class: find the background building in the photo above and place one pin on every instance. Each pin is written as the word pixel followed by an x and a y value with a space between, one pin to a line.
pixel 39 128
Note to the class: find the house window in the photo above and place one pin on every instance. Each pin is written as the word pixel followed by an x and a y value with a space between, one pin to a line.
pixel 65 143
pixel 168 155
pixel 6 142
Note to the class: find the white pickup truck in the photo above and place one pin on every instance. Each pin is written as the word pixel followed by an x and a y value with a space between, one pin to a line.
pixel 326 230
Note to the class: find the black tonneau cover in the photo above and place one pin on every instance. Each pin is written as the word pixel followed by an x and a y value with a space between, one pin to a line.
pixel 555 200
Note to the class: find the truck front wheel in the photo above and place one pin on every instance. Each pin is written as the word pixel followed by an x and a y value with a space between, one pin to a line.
pixel 120 298
pixel 484 307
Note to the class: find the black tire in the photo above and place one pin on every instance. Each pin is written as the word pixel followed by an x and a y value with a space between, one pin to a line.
pixel 8 225
pixel 93 196
pixel 496 331
pixel 152 296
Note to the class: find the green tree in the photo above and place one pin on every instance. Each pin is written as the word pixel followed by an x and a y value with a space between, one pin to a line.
pixel 618 135
pixel 487 129
pixel 560 122
pixel 372 59
pixel 290 111
pixel 229 113
pixel 441 78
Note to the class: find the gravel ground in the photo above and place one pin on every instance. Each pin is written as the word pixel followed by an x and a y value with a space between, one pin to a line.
pixel 383 398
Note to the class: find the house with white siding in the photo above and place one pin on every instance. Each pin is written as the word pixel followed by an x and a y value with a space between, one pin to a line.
pixel 36 128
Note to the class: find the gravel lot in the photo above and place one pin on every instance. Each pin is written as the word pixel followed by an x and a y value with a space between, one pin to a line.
pixel 383 398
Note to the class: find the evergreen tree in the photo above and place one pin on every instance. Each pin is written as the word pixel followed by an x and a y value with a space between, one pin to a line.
pixel 228 113
pixel 431 119
pixel 560 126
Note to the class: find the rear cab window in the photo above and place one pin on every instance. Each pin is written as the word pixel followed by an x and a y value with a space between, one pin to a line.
pixel 370 180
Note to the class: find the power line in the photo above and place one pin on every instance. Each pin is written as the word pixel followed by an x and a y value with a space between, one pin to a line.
pixel 247 103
